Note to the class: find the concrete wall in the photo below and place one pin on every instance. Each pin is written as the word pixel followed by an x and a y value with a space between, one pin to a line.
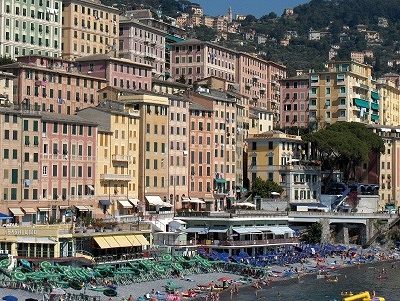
pixel 269 205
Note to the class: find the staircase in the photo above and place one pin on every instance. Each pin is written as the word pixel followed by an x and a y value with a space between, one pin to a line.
pixel 340 200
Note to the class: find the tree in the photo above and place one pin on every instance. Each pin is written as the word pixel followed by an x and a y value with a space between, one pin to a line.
pixel 345 145
pixel 263 188
pixel 4 60
pixel 250 19
pixel 205 33
pixel 313 234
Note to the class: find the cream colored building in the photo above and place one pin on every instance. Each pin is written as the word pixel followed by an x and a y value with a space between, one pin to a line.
pixel 344 92
pixel 389 109
pixel 89 27
pixel 117 178
pixel 6 88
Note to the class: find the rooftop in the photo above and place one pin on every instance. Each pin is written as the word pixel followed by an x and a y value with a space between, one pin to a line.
pixel 108 57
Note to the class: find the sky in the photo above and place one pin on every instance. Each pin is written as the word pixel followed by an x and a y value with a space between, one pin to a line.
pixel 257 8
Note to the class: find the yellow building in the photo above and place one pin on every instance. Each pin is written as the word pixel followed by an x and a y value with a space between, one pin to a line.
pixel 389 103
pixel 281 158
pixel 88 27
pixel 344 92
pixel 117 176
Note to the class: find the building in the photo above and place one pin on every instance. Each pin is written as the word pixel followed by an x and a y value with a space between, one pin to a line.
pixel 389 97
pixel 178 149
pixel 281 158
pixel 315 35
pixel 357 56
pixel 195 9
pixel 168 87
pixel 261 120
pixel 51 161
pixel 88 28
pixel 143 44
pixel 53 84
pixel 389 174
pixel 192 60
pixel 383 22
pixel 6 88
pixel 30 29
pixel 117 177
pixel 344 92
pixel 119 73
pixel 294 101
pixel 223 160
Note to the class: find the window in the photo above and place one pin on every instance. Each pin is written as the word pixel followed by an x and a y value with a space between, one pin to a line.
pixel 55 170
pixel 14 176
pixel 6 153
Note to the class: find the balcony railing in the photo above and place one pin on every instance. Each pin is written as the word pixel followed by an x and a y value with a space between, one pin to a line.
pixel 115 177
pixel 239 243
pixel 121 158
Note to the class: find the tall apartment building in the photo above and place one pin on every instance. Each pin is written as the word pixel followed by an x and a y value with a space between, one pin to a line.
pixel 117 177
pixel 119 73
pixel 30 28
pixel 202 142
pixel 223 159
pixel 194 60
pixel 389 99
pixel 89 27
pixel 275 72
pixel 50 162
pixel 68 163
pixel 277 156
pixel 294 101
pixel 143 44
pixel 178 148
pixel 261 120
pixel 344 92
pixel 52 84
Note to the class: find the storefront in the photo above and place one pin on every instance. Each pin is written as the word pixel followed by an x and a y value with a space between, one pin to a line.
pixel 37 241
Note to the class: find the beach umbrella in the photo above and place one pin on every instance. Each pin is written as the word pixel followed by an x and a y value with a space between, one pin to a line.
pixel 10 298
pixel 110 293
pixel 5 216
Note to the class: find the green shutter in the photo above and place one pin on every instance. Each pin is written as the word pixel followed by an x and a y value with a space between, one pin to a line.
pixel 35 125
pixel 35 140
pixel 6 153
pixel 14 176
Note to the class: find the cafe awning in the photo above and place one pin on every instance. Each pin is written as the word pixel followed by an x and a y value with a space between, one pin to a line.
pixel 155 200
pixel 198 230
pixel 281 230
pixel 196 201
pixel 84 208
pixel 246 230
pixel 105 202
pixel 134 202
pixel 63 207
pixel 123 241
pixel 44 209
pixel 142 240
pixel 218 230
pixel 112 242
pixel 29 210
pixel 16 211
pixel 35 240
pixel 91 188
pixel 101 242
pixel 125 203
pixel 132 239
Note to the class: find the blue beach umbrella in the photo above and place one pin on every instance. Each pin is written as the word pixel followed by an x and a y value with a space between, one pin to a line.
pixel 5 216
pixel 10 298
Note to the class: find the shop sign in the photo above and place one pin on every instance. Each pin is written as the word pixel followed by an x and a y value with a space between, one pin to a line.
pixel 21 232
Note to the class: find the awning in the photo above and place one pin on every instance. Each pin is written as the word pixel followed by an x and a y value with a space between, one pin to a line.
pixel 185 200
pixel 142 240
pixel 105 202
pixel 16 211
pixel 123 241
pixel 101 242
pixel 111 241
pixel 220 181
pixel 196 201
pixel 125 204
pixel 29 210
pixel 209 200
pixel 63 207
pixel 281 230
pixel 246 230
pixel 132 239
pixel 83 208
pixel 217 230
pixel 154 200
pixel 245 204
pixel 35 240
pixel 134 202
pixel 44 209
pixel 198 230
pixel 90 187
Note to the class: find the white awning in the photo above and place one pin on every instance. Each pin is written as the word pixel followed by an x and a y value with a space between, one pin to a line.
pixel 44 209
pixel 90 187
pixel 29 210
pixel 209 200
pixel 82 208
pixel 397 130
pixel 185 200
pixel 245 204
pixel 126 204
pixel 281 230
pixel 16 211
pixel 246 230
pixel 218 230
pixel 275 193
pixel 35 240
pixel 63 207
pixel 134 202
pixel 196 201
pixel 157 201
pixel 199 230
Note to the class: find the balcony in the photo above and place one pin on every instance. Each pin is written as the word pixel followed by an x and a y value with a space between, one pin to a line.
pixel 122 158
pixel 114 177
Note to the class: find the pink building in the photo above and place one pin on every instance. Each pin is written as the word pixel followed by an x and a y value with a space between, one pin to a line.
pixel 120 73
pixel 52 84
pixel 193 60
pixel 275 72
pixel 294 102
pixel 142 44
pixel 68 162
